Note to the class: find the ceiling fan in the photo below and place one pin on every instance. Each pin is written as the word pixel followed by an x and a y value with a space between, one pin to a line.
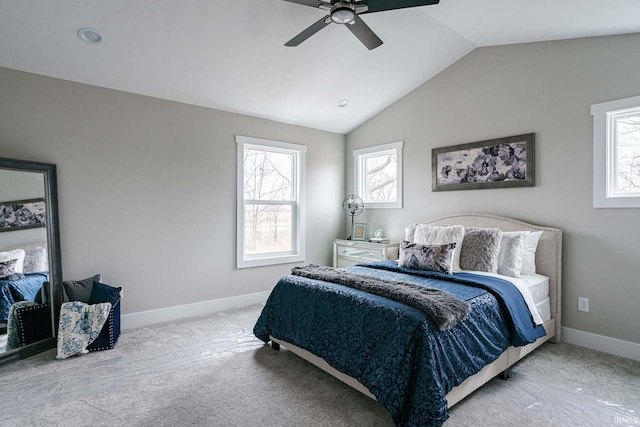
pixel 346 12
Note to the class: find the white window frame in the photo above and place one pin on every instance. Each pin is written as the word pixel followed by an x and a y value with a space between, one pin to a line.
pixel 359 157
pixel 604 153
pixel 298 205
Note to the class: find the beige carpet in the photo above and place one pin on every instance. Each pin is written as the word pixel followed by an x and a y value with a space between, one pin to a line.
pixel 211 371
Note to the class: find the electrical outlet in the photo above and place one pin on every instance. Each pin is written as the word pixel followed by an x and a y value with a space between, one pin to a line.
pixel 583 304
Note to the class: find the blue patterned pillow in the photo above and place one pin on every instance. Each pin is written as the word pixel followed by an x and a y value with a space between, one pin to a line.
pixel 427 257
pixel 104 293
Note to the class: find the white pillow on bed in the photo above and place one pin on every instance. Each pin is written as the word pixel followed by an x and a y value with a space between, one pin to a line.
pixel 529 253
pixel 511 253
pixel 14 254
pixel 441 235
pixel 530 245
pixel 409 232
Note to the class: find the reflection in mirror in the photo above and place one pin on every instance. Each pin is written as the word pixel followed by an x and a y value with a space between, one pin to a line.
pixel 29 258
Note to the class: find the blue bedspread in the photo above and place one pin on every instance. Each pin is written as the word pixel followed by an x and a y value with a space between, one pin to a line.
pixel 519 319
pixel 25 289
pixel 395 350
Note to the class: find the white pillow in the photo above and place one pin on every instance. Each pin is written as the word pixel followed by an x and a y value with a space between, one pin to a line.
pixel 14 254
pixel 511 253
pixel 441 235
pixel 409 232
pixel 529 252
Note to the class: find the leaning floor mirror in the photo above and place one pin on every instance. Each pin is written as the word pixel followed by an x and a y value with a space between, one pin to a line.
pixel 30 260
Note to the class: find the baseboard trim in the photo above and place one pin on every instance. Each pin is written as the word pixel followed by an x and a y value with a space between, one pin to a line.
pixel 626 349
pixel 149 317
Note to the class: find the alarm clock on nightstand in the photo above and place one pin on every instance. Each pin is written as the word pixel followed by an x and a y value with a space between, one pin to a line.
pixel 378 237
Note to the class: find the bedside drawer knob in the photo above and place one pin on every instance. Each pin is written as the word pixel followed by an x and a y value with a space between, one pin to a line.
pixel 371 254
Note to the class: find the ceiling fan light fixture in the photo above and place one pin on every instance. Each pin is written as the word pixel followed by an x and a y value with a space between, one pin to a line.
pixel 342 15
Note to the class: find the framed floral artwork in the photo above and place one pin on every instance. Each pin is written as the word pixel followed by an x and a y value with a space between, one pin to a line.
pixel 22 214
pixel 495 163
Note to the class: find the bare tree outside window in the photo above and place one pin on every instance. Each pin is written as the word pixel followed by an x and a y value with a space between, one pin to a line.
pixel 269 201
pixel 628 154
pixel 381 177
pixel 616 153
pixel 378 175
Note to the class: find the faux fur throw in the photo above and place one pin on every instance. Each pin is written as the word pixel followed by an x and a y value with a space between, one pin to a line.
pixel 444 308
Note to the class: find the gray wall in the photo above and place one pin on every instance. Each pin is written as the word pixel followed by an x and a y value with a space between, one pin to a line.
pixel 147 187
pixel 546 88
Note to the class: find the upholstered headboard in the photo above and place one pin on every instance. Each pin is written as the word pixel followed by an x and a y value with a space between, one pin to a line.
pixel 548 254
pixel 26 246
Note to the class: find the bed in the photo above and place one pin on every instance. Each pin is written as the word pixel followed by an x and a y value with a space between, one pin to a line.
pixel 395 353
pixel 27 285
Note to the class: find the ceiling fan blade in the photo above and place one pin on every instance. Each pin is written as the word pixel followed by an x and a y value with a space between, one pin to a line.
pixel 364 33
pixel 381 5
pixel 320 24
pixel 312 3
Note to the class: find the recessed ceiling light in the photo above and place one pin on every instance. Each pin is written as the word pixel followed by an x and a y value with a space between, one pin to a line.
pixel 343 103
pixel 90 35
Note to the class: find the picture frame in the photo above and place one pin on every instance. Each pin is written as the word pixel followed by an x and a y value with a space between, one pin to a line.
pixel 495 163
pixel 359 231
pixel 22 214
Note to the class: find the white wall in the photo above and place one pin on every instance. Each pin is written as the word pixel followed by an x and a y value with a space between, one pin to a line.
pixel 546 88
pixel 147 187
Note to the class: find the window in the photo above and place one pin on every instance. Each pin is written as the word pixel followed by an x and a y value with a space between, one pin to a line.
pixel 270 202
pixel 616 153
pixel 378 175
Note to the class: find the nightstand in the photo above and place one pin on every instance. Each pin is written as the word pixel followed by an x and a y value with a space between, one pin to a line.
pixel 351 252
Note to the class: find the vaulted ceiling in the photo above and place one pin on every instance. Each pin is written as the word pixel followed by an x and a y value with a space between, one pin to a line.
pixel 230 55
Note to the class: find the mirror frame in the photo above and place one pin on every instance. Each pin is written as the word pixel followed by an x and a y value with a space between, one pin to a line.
pixel 53 247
